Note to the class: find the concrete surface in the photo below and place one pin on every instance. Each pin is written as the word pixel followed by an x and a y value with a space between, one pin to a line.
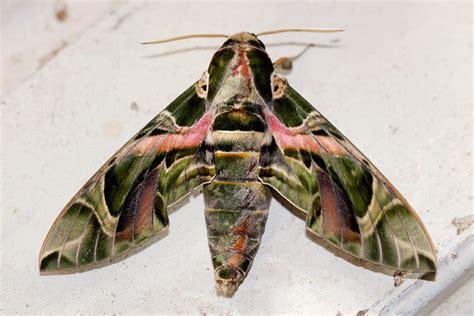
pixel 398 83
pixel 36 31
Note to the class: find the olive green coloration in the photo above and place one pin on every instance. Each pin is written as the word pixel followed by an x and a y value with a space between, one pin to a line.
pixel 243 135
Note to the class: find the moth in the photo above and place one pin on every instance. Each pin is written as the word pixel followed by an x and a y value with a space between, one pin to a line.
pixel 243 135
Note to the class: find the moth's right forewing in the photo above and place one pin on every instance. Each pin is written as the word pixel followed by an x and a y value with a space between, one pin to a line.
pixel 352 209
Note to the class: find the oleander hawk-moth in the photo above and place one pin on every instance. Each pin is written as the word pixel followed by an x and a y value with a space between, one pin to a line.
pixel 243 135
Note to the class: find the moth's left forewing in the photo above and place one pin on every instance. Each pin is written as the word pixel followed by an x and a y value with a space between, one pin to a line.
pixel 352 209
pixel 123 207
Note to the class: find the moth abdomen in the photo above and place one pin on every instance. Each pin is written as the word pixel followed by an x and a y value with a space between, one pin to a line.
pixel 236 213
pixel 236 206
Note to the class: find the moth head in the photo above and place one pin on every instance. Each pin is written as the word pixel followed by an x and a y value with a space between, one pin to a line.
pixel 244 39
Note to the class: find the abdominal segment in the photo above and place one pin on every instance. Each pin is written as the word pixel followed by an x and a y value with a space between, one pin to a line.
pixel 236 207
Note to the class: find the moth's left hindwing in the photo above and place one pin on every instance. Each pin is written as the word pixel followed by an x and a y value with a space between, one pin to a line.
pixel 123 207
pixel 351 208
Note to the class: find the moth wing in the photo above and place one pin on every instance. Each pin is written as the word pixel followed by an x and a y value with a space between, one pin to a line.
pixel 351 208
pixel 123 207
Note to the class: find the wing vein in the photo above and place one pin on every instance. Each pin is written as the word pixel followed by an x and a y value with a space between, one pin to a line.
pixel 415 253
pixel 392 234
pixel 96 243
pixel 81 238
pixel 67 236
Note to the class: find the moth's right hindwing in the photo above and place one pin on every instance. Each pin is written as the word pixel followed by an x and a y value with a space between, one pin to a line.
pixel 123 207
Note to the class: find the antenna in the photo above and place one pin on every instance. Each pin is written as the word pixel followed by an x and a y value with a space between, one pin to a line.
pixel 182 37
pixel 306 30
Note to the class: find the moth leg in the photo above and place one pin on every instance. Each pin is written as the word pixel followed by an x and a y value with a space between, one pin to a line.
pixel 285 64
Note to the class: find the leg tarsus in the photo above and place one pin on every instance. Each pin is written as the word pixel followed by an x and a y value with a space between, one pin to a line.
pixel 285 64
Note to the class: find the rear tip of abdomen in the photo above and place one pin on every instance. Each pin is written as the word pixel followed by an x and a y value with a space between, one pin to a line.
pixel 228 278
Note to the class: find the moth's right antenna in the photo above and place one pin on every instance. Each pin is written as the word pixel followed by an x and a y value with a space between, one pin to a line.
pixel 300 29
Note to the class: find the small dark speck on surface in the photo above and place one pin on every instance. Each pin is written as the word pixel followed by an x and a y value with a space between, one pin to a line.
pixel 120 20
pixel 60 10
pixel 134 106
pixel 393 129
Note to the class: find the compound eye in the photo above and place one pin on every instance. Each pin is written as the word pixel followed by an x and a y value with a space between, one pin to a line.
pixel 278 86
pixel 202 85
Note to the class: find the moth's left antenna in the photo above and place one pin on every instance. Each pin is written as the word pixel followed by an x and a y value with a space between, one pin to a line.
pixel 182 37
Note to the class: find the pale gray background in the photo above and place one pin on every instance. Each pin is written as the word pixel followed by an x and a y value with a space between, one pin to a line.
pixel 398 83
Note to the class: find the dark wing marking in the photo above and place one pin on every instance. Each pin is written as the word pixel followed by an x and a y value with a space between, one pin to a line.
pixel 352 209
pixel 123 207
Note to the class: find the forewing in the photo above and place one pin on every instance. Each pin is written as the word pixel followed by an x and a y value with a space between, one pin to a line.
pixel 123 207
pixel 351 208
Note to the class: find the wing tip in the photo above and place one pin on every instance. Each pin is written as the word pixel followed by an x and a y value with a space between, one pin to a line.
pixel 427 275
pixel 46 270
